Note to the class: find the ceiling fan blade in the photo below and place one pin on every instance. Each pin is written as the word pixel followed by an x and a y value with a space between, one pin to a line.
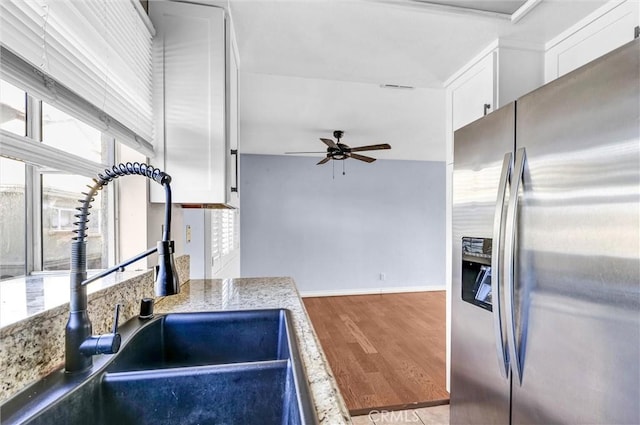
pixel 289 153
pixel 324 161
pixel 329 143
pixel 371 147
pixel 361 157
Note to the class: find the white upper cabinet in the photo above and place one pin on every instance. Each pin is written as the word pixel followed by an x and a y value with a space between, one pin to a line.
pixel 474 94
pixel 191 96
pixel 500 74
pixel 606 29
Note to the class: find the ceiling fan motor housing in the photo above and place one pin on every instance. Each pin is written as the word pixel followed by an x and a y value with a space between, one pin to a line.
pixel 340 153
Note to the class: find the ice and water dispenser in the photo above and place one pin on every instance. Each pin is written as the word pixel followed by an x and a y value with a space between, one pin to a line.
pixel 476 271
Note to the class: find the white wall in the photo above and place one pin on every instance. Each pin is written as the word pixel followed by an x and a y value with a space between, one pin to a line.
pixel 336 236
pixel 199 246
pixel 132 210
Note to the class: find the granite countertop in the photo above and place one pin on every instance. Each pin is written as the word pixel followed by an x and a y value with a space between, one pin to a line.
pixel 261 293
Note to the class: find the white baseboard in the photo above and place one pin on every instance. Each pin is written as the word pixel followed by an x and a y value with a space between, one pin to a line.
pixel 372 291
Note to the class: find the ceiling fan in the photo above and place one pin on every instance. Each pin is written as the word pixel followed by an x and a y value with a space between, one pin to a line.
pixel 339 151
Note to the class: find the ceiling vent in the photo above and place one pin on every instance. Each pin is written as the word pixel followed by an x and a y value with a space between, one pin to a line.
pixel 396 86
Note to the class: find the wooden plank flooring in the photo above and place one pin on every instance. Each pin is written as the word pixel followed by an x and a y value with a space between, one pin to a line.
pixel 386 351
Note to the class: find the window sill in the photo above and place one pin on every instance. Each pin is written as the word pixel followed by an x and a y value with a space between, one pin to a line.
pixel 26 296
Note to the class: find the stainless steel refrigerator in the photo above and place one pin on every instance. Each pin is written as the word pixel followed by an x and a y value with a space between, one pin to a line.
pixel 546 253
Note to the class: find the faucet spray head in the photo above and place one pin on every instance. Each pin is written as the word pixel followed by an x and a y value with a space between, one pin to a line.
pixel 166 275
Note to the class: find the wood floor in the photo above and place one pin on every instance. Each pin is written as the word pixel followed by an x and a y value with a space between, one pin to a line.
pixel 386 351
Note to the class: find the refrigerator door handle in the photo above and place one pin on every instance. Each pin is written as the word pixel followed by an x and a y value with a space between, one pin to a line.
pixel 496 266
pixel 509 262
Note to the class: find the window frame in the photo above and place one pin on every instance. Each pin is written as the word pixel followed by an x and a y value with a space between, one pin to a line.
pixel 34 258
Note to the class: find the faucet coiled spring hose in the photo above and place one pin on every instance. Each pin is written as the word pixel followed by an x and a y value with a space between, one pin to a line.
pixel 111 174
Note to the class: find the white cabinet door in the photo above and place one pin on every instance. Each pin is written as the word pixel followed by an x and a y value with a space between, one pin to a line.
pixel 190 137
pixel 598 34
pixel 233 158
pixel 472 91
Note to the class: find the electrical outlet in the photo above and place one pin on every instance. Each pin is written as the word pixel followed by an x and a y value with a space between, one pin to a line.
pixel 383 276
pixel 188 233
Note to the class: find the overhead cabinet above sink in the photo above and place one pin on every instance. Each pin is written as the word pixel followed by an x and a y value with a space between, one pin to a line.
pixel 195 95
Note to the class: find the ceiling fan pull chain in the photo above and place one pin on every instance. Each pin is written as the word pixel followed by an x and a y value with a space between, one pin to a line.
pixel 333 170
pixel 343 173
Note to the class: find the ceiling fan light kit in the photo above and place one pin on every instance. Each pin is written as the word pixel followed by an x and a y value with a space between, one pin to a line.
pixel 338 151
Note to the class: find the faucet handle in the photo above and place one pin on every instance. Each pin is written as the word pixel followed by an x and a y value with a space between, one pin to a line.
pixel 103 344
pixel 115 319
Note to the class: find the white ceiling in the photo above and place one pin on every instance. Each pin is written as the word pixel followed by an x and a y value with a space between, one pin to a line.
pixel 284 114
pixel 364 41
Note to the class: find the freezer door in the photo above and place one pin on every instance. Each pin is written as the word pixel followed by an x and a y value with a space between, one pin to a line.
pixel 479 393
pixel 577 283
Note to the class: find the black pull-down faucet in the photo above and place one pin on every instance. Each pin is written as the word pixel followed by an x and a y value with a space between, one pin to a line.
pixel 80 345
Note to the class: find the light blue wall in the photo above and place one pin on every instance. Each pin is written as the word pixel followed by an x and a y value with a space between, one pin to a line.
pixel 338 235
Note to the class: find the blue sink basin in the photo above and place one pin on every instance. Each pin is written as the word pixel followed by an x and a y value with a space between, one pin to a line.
pixel 239 367
pixel 237 394
pixel 194 339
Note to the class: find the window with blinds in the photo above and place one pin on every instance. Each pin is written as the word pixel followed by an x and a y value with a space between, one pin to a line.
pixel 90 59
pixel 38 195
pixel 75 80
pixel 225 237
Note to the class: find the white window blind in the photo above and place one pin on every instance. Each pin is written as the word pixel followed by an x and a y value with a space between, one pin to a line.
pixel 91 58
pixel 216 241
pixel 225 237
pixel 44 156
pixel 227 233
